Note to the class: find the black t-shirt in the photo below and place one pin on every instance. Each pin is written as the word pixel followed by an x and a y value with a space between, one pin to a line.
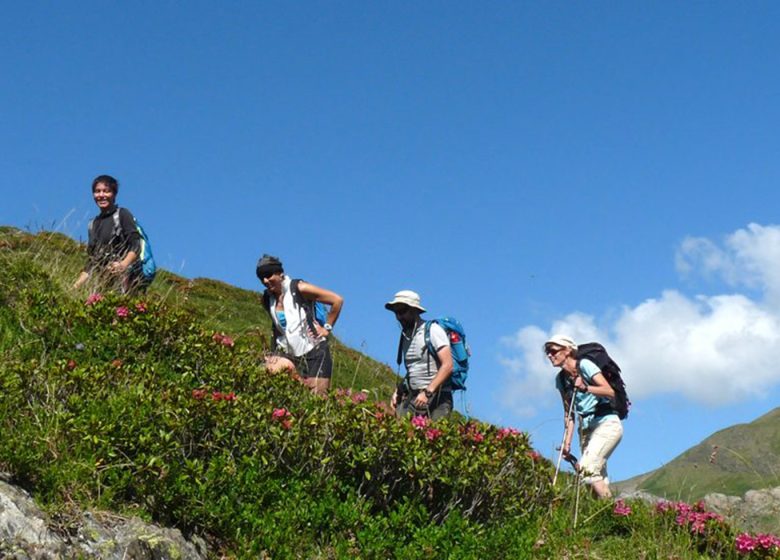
pixel 105 245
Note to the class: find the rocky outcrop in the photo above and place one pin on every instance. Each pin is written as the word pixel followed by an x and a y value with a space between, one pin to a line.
pixel 26 533
pixel 757 510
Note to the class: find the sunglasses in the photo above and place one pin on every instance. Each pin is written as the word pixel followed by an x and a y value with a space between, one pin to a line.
pixel 552 351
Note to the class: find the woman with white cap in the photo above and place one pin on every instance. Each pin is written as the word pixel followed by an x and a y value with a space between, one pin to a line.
pixel 426 390
pixel 600 427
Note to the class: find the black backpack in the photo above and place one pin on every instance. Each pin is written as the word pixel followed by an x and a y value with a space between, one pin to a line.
pixel 597 354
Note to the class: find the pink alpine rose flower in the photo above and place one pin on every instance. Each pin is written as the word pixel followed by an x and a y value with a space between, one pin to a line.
pixel 420 422
pixel 122 311
pixel 432 434
pixel 621 508
pixel 93 299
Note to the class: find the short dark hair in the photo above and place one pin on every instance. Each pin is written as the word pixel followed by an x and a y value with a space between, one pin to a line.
pixel 108 181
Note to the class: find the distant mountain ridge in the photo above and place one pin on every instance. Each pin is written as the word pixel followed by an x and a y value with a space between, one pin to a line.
pixel 733 462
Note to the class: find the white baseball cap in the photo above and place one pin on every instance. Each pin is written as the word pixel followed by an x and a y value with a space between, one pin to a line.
pixel 561 340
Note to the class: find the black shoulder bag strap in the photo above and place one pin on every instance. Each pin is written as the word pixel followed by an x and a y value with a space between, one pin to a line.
pixel 267 306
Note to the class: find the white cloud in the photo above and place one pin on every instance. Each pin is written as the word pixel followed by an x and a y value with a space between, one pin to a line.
pixel 711 349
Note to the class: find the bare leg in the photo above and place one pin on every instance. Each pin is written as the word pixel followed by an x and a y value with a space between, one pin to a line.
pixel 276 364
pixel 318 385
pixel 601 489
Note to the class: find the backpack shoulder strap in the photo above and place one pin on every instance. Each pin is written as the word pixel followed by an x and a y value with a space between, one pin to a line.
pixel 267 301
pixel 300 301
pixel 429 344
pixel 117 222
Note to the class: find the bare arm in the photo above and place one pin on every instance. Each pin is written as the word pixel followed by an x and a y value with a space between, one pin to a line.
pixel 83 276
pixel 315 293
pixel 442 375
pixel 120 266
pixel 599 386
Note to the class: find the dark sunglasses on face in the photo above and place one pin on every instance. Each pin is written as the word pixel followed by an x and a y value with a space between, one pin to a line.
pixel 550 351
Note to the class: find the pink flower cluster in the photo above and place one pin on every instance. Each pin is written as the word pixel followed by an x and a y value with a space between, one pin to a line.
pixel 621 508
pixel 122 311
pixel 283 416
pixel 141 307
pixel 432 434
pixel 693 516
pixel 507 432
pixel 200 394
pixel 217 396
pixel 471 432
pixel 746 543
pixel 93 299
pixel 420 422
pixel 223 339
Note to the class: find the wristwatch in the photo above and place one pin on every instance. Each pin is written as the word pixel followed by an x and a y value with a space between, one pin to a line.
pixel 428 393
pixel 328 327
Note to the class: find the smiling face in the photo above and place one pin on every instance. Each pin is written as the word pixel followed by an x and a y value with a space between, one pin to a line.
pixel 273 282
pixel 556 354
pixel 105 198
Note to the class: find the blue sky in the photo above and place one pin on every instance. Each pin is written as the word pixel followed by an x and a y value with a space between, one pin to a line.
pixel 606 169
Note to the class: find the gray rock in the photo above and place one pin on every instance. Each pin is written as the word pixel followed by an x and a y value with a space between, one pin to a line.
pixel 26 534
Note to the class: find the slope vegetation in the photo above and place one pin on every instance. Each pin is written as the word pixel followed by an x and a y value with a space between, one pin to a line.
pixel 160 408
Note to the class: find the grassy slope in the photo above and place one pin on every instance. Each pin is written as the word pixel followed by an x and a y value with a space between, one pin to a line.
pixel 128 432
pixel 747 457
pixel 217 305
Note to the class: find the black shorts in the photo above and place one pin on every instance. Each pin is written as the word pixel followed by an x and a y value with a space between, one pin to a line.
pixel 317 362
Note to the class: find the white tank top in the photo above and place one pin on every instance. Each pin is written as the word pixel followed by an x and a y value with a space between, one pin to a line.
pixel 295 339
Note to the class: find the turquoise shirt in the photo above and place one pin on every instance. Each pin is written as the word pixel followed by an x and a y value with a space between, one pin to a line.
pixel 585 403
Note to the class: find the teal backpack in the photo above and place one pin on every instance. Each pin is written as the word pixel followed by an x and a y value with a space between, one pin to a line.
pixel 458 347
pixel 146 258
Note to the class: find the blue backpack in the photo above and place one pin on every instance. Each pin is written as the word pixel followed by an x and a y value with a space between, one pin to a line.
pixel 458 347
pixel 146 258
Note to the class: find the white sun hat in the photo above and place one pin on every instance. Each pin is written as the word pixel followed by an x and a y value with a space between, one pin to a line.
pixel 561 340
pixel 405 297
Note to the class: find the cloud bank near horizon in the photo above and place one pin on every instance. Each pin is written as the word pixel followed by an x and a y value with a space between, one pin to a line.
pixel 702 347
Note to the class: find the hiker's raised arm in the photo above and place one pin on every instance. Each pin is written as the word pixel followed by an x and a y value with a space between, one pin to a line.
pixel 600 387
pixel 315 293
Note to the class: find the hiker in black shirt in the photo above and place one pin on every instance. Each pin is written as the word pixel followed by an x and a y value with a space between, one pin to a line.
pixel 112 251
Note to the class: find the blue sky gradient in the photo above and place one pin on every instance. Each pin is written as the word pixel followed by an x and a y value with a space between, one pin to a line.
pixel 521 165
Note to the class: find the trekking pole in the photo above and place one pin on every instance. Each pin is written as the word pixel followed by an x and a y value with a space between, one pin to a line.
pixel 563 440
pixel 577 498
